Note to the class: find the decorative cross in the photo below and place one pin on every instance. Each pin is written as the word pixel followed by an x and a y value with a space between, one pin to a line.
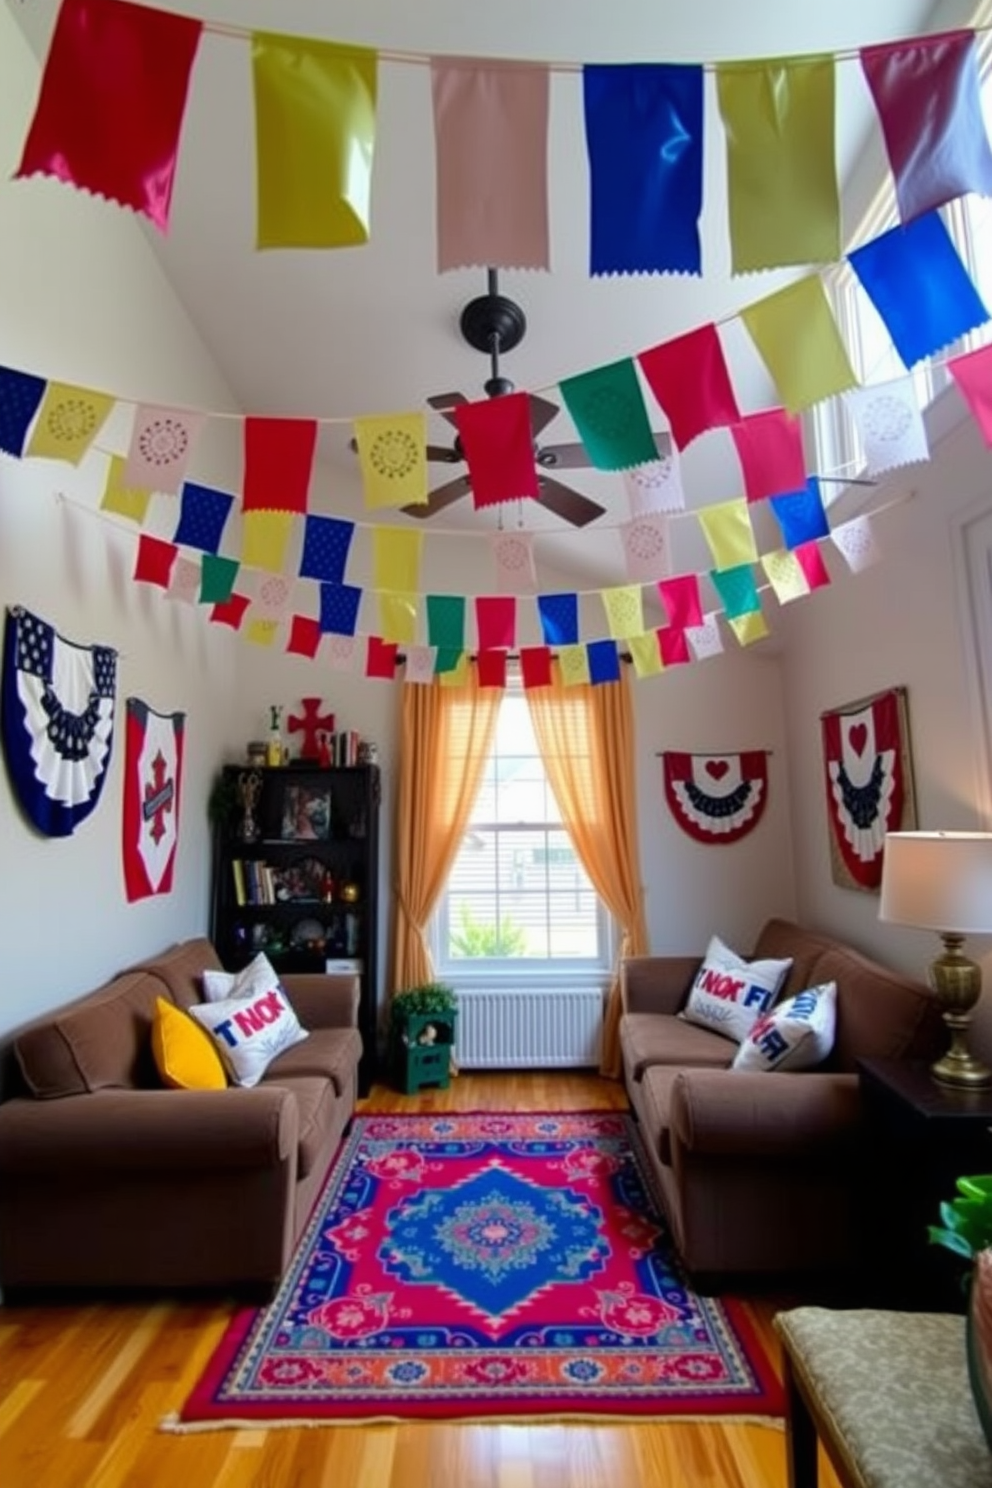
pixel 309 725
pixel 159 797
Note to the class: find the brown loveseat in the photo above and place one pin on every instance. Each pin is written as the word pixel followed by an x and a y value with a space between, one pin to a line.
pixel 108 1179
pixel 759 1171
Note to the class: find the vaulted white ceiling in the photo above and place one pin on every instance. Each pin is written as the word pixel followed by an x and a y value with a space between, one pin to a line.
pixel 375 329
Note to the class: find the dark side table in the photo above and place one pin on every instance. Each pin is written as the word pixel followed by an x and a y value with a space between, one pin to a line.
pixel 920 1137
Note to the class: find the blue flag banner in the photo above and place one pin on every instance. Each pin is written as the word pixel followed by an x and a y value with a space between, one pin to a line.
pixel 919 286
pixel 201 520
pixel 20 395
pixel 644 137
pixel 339 608
pixel 326 545
pixel 604 661
pixel 559 619
pixel 800 515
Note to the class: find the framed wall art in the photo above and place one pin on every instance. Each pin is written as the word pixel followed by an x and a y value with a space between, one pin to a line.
pixel 868 775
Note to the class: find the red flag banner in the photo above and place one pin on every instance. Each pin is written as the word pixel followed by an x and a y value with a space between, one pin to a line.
pixel 380 658
pixel 499 448
pixel 492 668
pixel 153 564
pixel 869 784
pixel 496 622
pixel 973 375
pixel 112 100
pixel 535 666
pixel 770 447
pixel 278 463
pixel 716 798
pixel 690 379
pixel 153 768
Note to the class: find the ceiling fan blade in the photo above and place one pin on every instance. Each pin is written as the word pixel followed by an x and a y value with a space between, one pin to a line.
pixel 444 403
pixel 445 453
pixel 566 503
pixel 444 496
pixel 562 457
pixel 541 414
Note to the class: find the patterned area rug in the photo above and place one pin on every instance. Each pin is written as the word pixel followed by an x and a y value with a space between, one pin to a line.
pixel 486 1266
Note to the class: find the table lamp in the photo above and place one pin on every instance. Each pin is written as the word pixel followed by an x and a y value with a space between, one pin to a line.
pixel 943 881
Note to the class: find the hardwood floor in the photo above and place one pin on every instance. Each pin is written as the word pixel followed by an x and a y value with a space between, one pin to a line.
pixel 83 1389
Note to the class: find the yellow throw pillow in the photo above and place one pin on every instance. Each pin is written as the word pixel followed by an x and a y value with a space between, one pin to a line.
pixel 185 1055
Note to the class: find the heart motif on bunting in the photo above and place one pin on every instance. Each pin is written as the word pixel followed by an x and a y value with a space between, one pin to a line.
pixel 858 738
pixel 716 769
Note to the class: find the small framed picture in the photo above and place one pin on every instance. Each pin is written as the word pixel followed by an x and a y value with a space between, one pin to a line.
pixel 306 814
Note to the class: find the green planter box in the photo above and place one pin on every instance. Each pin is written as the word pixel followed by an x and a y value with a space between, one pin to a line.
pixel 415 1064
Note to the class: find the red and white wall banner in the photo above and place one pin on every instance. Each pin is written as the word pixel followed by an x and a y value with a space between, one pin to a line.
pixel 869 784
pixel 716 798
pixel 153 768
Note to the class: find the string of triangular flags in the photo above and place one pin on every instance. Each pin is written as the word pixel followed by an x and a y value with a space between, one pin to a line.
pixel 316 106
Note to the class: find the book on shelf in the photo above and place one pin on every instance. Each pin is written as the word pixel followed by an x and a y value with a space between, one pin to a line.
pixel 238 874
pixel 342 963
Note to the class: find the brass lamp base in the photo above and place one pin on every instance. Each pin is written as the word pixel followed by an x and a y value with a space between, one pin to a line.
pixel 957 981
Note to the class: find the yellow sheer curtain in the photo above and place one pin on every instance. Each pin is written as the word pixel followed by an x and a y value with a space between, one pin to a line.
pixel 586 737
pixel 446 735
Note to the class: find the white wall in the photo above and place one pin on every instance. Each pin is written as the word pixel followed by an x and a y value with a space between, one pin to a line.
pixel 82 298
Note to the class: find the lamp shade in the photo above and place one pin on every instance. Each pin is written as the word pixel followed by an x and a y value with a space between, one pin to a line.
pixel 938 880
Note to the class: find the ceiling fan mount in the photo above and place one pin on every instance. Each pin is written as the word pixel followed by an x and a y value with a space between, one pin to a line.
pixel 493 324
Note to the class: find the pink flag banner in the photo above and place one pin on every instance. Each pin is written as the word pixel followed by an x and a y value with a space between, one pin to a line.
pixel 680 596
pixel 514 556
pixel 491 162
pixel 690 380
pixel 928 98
pixel 278 462
pixel 184 585
pixel 811 562
pixel 647 547
pixel 162 442
pixel 419 666
pixel 499 448
pixel 113 95
pixel 770 448
pixel 673 645
pixel 340 651
pixel 973 375
pixel 496 622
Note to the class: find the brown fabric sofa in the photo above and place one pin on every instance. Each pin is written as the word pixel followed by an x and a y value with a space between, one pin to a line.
pixel 759 1172
pixel 110 1180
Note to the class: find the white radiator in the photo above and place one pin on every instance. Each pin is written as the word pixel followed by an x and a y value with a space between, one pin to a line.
pixel 529 1028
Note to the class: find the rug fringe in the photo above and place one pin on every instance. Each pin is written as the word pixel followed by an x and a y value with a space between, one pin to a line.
pixel 172 1422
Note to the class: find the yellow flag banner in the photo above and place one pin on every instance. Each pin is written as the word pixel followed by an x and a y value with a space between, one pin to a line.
pixel 646 654
pixel 126 501
pixel 396 559
pixel 264 538
pixel 783 199
pixel 728 531
pixel 749 628
pixel 624 611
pixel 573 665
pixel 785 574
pixel 68 421
pixel 456 676
pixel 797 339
pixel 261 632
pixel 392 453
pixel 315 117
pixel 398 617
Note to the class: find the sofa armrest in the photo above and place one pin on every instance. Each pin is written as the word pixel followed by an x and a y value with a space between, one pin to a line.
pixel 149 1131
pixel 656 984
pixel 324 1000
pixel 743 1114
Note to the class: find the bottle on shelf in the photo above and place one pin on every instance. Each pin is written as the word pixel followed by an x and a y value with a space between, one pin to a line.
pixel 274 745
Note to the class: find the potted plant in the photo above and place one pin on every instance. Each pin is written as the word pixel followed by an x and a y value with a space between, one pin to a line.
pixel 966 1229
pixel 413 1008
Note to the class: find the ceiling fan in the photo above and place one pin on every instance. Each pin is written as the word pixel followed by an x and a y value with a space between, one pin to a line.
pixel 494 324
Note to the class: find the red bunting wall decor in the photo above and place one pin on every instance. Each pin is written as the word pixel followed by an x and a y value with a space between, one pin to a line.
pixel 716 798
pixel 868 775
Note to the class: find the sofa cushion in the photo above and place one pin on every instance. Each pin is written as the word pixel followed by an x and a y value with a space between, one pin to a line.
pixel 250 1031
pixel 184 1053
pixel 798 1034
pixel 730 994
pixel 102 1041
pixel 880 1014
pixel 779 938
pixel 332 1053
pixel 315 1104
pixel 181 968
pixel 662 1038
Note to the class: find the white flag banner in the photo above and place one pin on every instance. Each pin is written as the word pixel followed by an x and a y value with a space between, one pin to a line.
pixel 647 547
pixel 856 541
pixel 513 553
pixel 339 652
pixel 705 640
pixel 890 424
pixel 271 594
pixel 184 583
pixel 656 486
pixel 420 663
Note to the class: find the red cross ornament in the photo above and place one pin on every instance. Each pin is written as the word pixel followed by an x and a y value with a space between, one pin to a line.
pixel 159 794
pixel 310 725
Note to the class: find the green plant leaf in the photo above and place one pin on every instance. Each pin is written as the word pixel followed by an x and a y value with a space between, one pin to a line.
pixel 950 1240
pixel 977 1187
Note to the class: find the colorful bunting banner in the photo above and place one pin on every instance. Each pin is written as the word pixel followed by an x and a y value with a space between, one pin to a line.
pixel 496 622
pixel 680 597
pixel 800 514
pixel 304 636
pixel 624 611
pixel 750 627
pixel 673 646
pixel 914 277
pixel 514 556
pixel 185 583
pixel 340 652
pixel 261 631
pixel 68 421
pixel 20 398
pixel 973 375
pixel 113 95
pixel 392 454
pixel 810 558
pixel 396 558
pixel 218 577
pixel 770 448
pixel 796 336
pixel 120 498
pixel 162 442
pixel 573 665
pixel 784 204
pixel 273 593
pixel 278 463
pixel 608 411
pixel 644 138
pixel 646 547
pixel 454 672
pixel 604 662
pixel 491 163
pixel 705 639
pixel 656 486
pixel 491 667
pixel 535 666
pixel 928 98
pixel 398 617
pixel 785 574
pixel 737 590
pixel 231 611
pixel 202 517
pixel 889 419
pixel 855 541
pixel 728 532
pixel 339 608
pixel 315 117
pixel 559 614
pixel 419 666
pixel 446 621
pixel 380 658
pixel 690 380
pixel 498 442
pixel 264 538
pixel 154 561
pixel 326 545
pixel 645 653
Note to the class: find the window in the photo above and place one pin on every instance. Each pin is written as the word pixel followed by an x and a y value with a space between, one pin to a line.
pixel 518 899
